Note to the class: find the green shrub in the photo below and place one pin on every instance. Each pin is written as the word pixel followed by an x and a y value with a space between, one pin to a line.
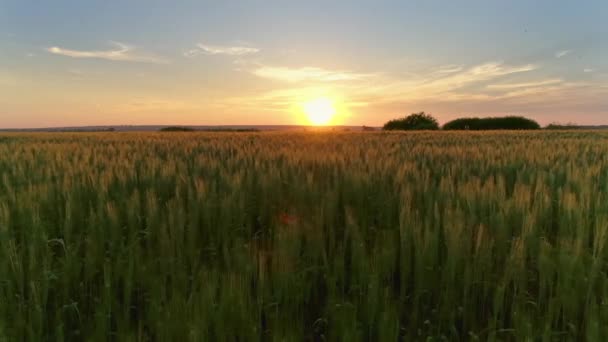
pixel 413 122
pixel 496 123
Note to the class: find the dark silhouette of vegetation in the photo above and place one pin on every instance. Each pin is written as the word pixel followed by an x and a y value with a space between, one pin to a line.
pixel 413 122
pixel 558 126
pixel 176 129
pixel 231 130
pixel 81 129
pixel 497 123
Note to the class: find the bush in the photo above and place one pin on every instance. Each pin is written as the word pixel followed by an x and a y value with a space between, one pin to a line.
pixel 558 126
pixel 478 124
pixel 176 129
pixel 416 121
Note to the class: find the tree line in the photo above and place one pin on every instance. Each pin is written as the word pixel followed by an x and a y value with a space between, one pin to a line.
pixel 424 121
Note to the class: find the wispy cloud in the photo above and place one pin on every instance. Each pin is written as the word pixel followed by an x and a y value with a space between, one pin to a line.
pixel 524 85
pixel 492 87
pixel 122 52
pixel 429 86
pixel 527 93
pixel 562 53
pixel 479 73
pixel 588 70
pixel 306 74
pixel 437 84
pixel 204 49
pixel 493 69
pixel 449 69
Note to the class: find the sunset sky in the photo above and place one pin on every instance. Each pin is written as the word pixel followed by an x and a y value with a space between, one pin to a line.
pixel 139 62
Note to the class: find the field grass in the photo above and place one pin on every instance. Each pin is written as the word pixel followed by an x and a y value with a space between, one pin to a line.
pixel 304 236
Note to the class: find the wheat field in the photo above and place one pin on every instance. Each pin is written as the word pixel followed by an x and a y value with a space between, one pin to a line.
pixel 304 236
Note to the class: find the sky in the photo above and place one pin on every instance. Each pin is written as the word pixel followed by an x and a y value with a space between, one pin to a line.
pixel 143 62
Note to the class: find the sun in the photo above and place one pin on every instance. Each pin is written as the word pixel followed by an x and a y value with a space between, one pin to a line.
pixel 319 111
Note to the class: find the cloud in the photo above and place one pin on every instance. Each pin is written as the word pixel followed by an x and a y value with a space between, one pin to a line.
pixel 306 74
pixel 588 70
pixel 449 69
pixel 524 85
pixel 122 52
pixel 493 69
pixel 491 87
pixel 530 94
pixel 429 86
pixel 437 84
pixel 562 53
pixel 203 49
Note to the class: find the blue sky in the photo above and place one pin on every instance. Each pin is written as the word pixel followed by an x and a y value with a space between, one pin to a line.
pixel 256 62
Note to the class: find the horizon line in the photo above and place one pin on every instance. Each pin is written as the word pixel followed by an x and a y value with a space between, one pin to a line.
pixel 175 125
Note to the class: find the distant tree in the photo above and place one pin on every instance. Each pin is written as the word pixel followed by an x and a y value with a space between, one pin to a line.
pixel 416 121
pixel 495 123
pixel 558 126
pixel 176 129
pixel 464 124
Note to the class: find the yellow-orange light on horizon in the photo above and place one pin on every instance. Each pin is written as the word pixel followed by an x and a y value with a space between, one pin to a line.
pixel 319 111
